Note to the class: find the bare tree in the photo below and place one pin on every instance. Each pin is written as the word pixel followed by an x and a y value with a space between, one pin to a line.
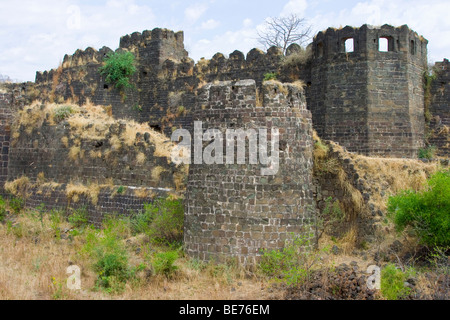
pixel 283 31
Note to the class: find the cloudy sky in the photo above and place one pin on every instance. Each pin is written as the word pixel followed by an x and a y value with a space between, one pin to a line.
pixel 36 34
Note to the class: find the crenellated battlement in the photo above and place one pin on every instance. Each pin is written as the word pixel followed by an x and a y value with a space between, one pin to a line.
pixel 143 39
pixel 255 59
pixel 369 41
pixel 357 80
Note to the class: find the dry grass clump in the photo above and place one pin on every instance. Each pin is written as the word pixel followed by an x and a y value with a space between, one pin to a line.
pixel 143 193
pixel 75 153
pixel 18 187
pixel 65 141
pixel 298 58
pixel 300 84
pixel 281 87
pixel 141 158
pixel 74 191
pixel 156 173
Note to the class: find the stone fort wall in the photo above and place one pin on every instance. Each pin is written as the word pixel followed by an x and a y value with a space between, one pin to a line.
pixel 440 109
pixel 233 210
pixel 367 100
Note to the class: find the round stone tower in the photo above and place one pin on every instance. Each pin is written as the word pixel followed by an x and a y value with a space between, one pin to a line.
pixel 367 89
pixel 242 201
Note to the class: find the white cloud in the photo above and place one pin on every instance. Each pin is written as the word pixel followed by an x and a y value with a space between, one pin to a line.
pixel 42 32
pixel 247 23
pixel 194 12
pixel 210 24
pixel 244 40
pixel 295 7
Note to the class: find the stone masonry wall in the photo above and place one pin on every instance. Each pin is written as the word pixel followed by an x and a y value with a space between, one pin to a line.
pixel 5 134
pixel 440 109
pixel 44 152
pixel 108 203
pixel 369 101
pixel 232 210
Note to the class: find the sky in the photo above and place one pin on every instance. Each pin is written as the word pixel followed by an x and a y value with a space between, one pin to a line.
pixel 36 34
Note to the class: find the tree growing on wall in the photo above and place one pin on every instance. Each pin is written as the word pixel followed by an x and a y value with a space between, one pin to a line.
pixel 118 69
pixel 281 32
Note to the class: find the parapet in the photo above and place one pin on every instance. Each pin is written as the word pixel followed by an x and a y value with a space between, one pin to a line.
pixel 138 39
pixel 369 39
pixel 243 94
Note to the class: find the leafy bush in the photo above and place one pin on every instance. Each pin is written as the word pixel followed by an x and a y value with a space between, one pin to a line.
pixel 393 282
pixel 293 264
pixel 270 76
pixel 110 258
pixel 79 218
pixel 163 263
pixel 426 212
pixel 16 204
pixel 162 221
pixel 3 211
pixel 427 153
pixel 63 112
pixel 119 67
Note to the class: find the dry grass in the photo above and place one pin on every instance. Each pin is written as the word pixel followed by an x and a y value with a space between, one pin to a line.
pixel 392 176
pixel 116 143
pixel 141 158
pixel 156 173
pixel 95 154
pixel 281 87
pixel 33 266
pixel 74 191
pixel 91 122
pixel 18 187
pixel 65 141
pixel 75 153
pixel 143 193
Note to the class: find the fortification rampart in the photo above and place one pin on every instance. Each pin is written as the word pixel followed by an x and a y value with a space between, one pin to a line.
pixel 366 97
pixel 234 210
pixel 439 109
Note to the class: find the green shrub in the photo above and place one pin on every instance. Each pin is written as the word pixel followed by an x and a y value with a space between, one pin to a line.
pixel 163 263
pixel 118 69
pixel 110 258
pixel 140 222
pixel 16 204
pixel 293 264
pixel 63 112
pixel 270 76
pixel 162 221
pixel 79 218
pixel 426 212
pixel 393 282
pixel 427 153
pixel 56 218
pixel 3 211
